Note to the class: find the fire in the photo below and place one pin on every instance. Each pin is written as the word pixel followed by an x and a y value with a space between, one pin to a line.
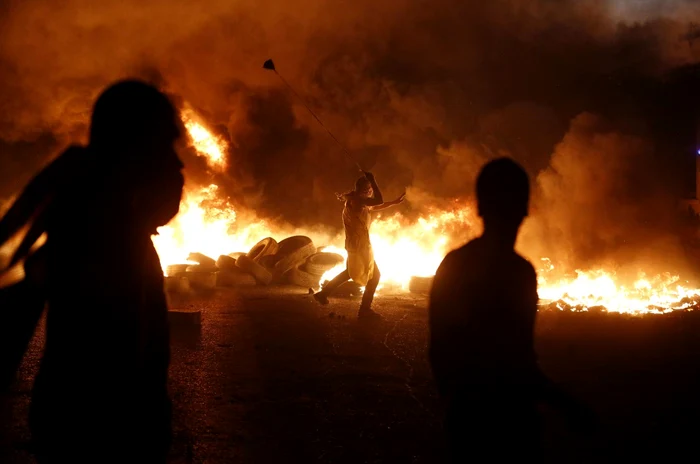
pixel 403 248
pixel 598 288
pixel 206 144
pixel 339 268
pixel 206 230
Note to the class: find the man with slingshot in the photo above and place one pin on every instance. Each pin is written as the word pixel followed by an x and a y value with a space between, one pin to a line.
pixel 361 267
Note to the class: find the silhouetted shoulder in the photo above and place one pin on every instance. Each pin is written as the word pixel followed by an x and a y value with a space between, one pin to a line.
pixel 454 268
pixel 479 267
pixel 524 266
pixel 467 255
pixel 481 252
pixel 527 266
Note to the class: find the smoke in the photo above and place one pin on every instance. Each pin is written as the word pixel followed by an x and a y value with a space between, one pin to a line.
pixel 600 203
pixel 421 92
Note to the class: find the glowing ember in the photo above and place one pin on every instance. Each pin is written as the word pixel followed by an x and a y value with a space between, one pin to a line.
pixel 403 248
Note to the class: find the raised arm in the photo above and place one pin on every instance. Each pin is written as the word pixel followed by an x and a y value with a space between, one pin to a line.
pixel 389 204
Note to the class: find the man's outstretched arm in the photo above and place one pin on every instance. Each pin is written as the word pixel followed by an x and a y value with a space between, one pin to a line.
pixel 389 204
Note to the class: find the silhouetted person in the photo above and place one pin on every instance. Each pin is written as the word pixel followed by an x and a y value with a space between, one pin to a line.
pixel 361 268
pixel 483 305
pixel 101 391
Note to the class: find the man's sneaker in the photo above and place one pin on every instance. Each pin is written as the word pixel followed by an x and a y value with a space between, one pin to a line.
pixel 321 298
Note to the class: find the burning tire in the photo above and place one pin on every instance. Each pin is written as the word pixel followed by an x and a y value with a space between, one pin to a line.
pixel 296 276
pixel 293 251
pixel 320 263
pixel 205 261
pixel 420 285
pixel 237 278
pixel 236 254
pixel 265 247
pixel 261 274
pixel 226 263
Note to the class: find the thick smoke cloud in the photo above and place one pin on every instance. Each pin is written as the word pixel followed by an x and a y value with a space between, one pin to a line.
pixel 599 203
pixel 421 92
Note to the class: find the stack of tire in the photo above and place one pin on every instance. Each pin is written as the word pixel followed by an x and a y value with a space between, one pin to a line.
pixel 207 274
pixel 255 261
pixel 230 275
pixel 201 276
pixel 319 263
pixel 294 261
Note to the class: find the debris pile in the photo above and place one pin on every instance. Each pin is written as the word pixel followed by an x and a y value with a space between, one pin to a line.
pixel 294 260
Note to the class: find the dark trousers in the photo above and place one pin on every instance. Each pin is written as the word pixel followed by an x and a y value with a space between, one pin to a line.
pixel 370 288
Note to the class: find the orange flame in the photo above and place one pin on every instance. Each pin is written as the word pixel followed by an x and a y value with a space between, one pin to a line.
pixel 402 248
pixel 206 144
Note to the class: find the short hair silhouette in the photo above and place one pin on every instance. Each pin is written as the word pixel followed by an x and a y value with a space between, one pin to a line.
pixel 503 190
pixel 129 114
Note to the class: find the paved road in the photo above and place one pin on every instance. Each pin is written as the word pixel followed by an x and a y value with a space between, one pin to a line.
pixel 273 378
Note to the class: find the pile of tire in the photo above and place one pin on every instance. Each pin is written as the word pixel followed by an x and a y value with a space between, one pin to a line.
pixel 294 260
pixel 304 266
pixel 252 262
pixel 230 275
pixel 206 275
pixel 308 274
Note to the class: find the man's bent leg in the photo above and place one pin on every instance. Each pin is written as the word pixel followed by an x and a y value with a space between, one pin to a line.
pixel 328 289
pixel 337 281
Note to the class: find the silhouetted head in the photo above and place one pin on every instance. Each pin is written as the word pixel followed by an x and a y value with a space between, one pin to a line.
pixel 136 121
pixel 363 187
pixel 503 194
pixel 132 136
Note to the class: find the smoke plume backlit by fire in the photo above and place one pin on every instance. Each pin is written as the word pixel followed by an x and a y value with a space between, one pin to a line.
pixel 402 248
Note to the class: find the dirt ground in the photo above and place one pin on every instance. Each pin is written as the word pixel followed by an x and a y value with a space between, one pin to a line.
pixel 271 377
